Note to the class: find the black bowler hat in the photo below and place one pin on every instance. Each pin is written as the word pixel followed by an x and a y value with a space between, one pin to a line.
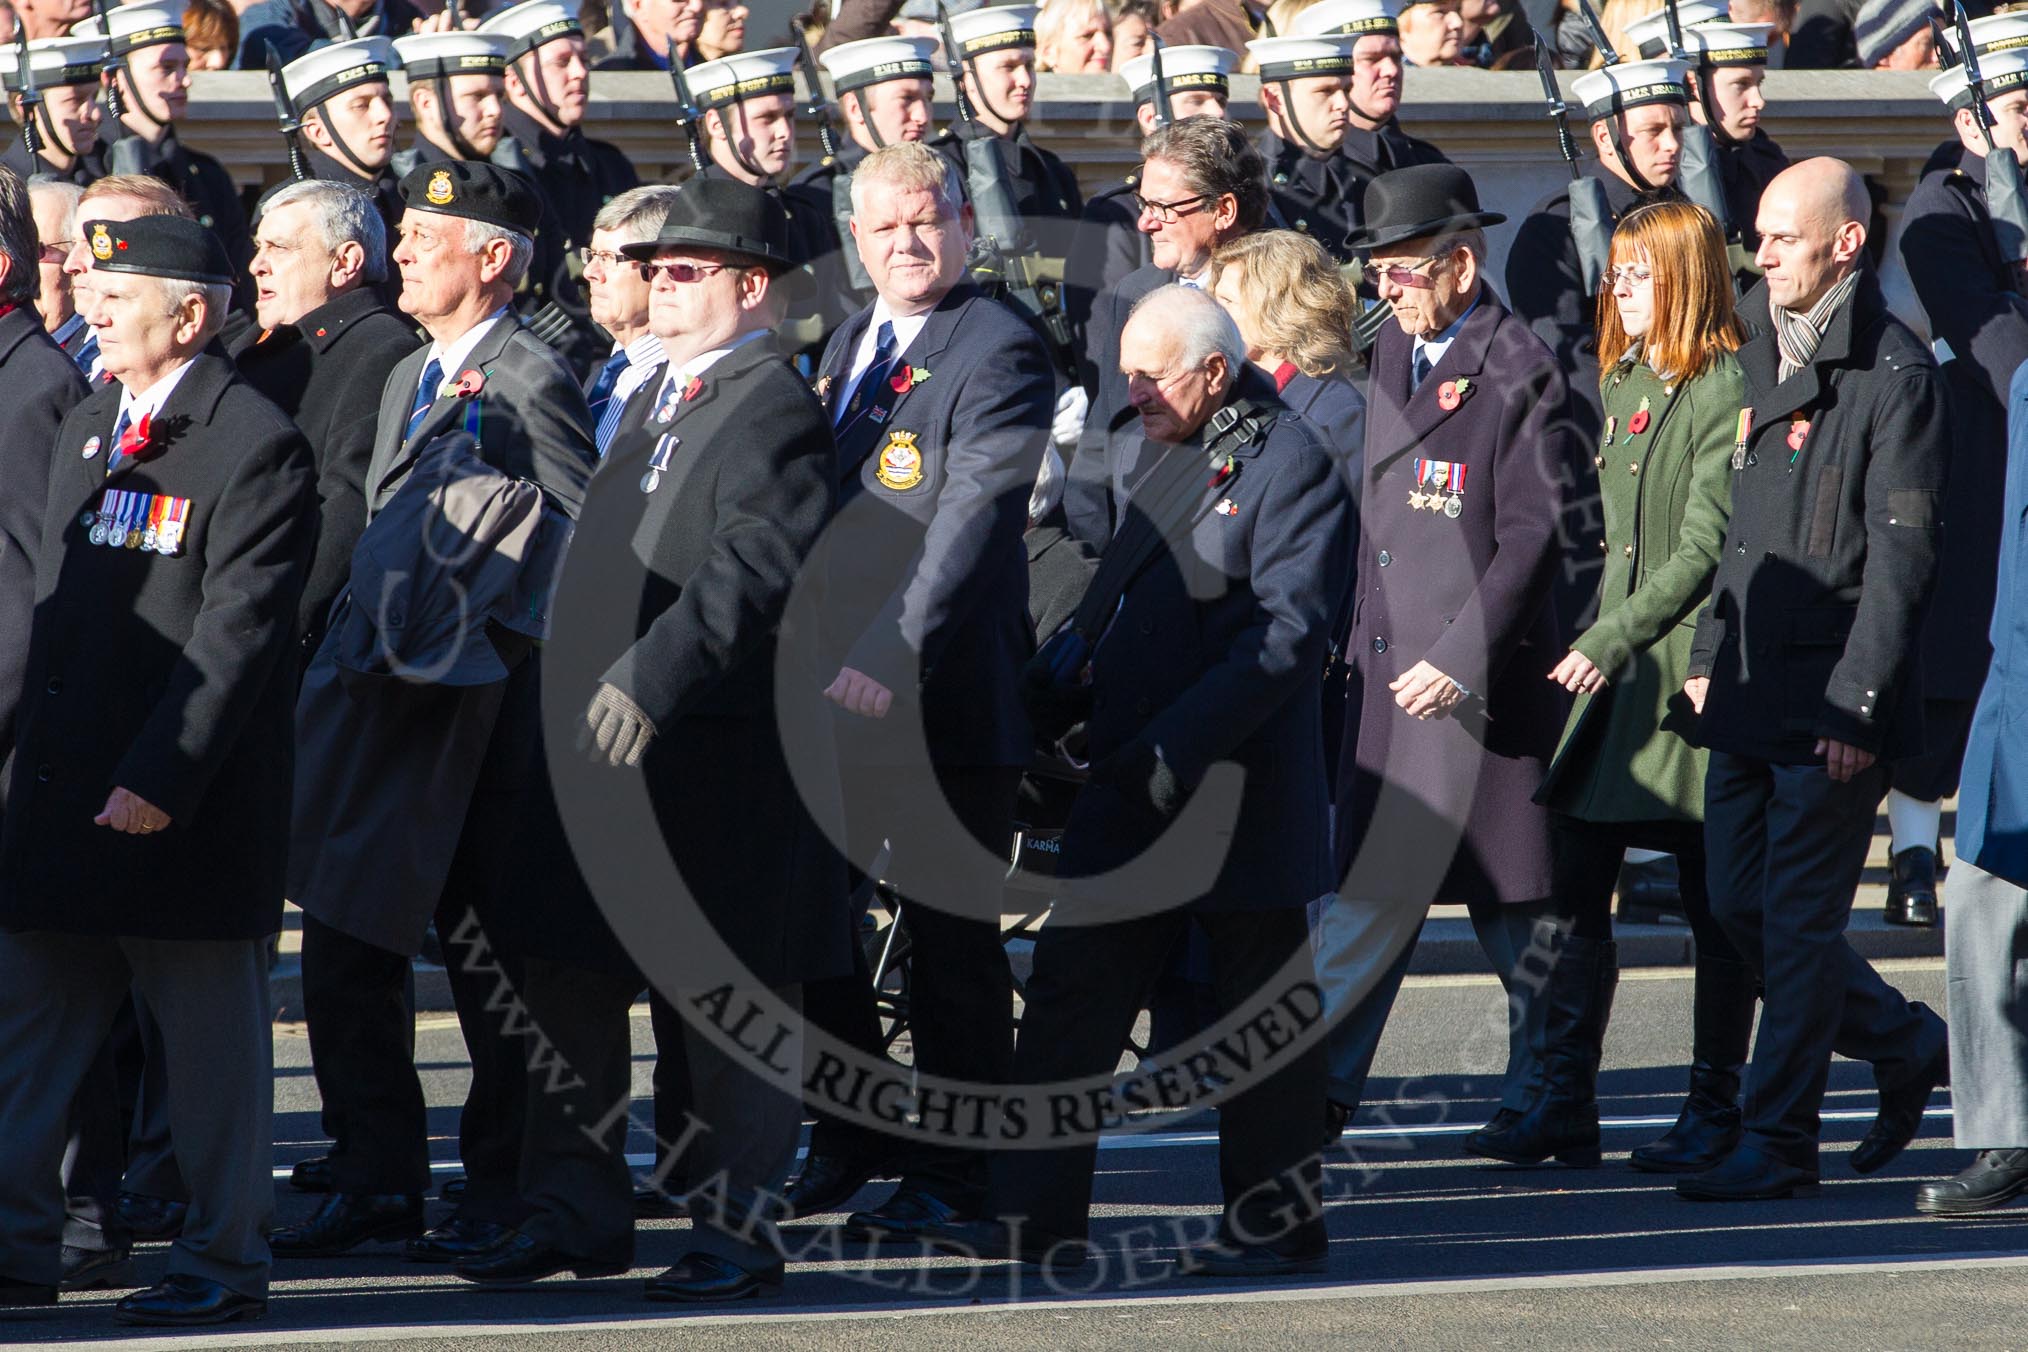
pixel 1418 202
pixel 159 246
pixel 725 214
pixel 476 190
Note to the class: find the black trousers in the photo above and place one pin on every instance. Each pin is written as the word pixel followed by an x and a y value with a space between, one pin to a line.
pixel 362 1049
pixel 961 989
pixel 1089 984
pixel 736 1141
pixel 1585 858
pixel 1786 846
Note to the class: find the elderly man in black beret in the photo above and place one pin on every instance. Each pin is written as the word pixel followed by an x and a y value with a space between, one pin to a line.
pixel 145 823
pixel 405 807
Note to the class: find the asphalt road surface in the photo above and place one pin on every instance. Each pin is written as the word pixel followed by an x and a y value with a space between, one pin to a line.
pixel 1427 1249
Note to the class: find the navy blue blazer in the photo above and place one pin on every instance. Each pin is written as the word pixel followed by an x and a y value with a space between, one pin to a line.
pixel 1217 654
pixel 1111 442
pixel 927 573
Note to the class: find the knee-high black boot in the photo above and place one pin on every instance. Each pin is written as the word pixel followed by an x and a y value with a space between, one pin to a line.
pixel 1562 1121
pixel 1708 1128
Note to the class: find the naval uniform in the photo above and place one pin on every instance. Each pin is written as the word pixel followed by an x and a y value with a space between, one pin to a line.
pixel 198 179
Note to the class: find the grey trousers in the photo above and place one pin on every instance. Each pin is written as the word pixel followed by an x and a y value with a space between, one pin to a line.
pixel 1986 956
pixel 58 995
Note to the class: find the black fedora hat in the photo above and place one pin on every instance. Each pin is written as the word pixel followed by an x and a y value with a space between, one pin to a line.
pixel 1418 202
pixel 725 214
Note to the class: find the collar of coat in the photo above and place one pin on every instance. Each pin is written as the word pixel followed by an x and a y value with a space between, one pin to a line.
pixel 18 326
pixel 322 326
pixel 1421 412
pixel 936 335
pixel 724 374
pixel 1760 360
pixel 191 403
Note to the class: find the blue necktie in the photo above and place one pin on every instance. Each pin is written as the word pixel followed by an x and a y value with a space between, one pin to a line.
pixel 1422 369
pixel 88 355
pixel 425 395
pixel 876 375
pixel 605 410
pixel 120 426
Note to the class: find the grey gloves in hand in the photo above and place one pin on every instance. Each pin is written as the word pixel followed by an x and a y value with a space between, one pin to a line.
pixel 616 730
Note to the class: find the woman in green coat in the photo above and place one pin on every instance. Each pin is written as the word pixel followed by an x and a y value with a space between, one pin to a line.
pixel 1627 773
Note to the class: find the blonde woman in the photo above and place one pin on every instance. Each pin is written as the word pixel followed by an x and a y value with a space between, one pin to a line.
pixel 1074 37
pixel 1294 310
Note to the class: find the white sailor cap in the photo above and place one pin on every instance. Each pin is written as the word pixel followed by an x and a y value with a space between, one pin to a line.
pixel 2002 73
pixel 1614 89
pixel 743 75
pixel 134 26
pixel 872 61
pixel 992 28
pixel 1301 58
pixel 323 71
pixel 1348 18
pixel 1649 34
pixel 427 55
pixel 529 25
pixel 1728 44
pixel 55 61
pixel 1997 33
pixel 1183 69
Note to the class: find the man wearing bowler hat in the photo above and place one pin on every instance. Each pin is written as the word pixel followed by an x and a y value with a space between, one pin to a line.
pixel 1452 633
pixel 407 801
pixel 672 685
pixel 146 821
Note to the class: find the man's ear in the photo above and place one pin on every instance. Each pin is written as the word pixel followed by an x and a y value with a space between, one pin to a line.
pixel 1850 241
pixel 1602 138
pixel 347 261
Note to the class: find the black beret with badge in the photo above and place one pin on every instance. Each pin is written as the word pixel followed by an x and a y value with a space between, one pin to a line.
pixel 159 246
pixel 476 190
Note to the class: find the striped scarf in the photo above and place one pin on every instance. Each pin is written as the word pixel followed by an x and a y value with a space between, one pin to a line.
pixel 1797 333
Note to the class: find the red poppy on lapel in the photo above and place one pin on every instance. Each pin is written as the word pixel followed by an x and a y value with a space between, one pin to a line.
pixel 1799 428
pixel 136 443
pixel 906 379
pixel 1638 423
pixel 1222 473
pixel 1452 393
pixel 693 388
pixel 470 382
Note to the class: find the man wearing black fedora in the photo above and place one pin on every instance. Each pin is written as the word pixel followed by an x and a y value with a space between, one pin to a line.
pixel 674 693
pixel 1452 633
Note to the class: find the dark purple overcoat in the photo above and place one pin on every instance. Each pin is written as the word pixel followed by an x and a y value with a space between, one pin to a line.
pixel 1443 810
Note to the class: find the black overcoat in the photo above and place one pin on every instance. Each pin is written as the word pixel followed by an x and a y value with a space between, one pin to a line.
pixel 164 674
pixel 1831 552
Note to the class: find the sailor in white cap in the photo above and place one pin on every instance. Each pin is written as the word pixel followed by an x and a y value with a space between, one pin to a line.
pixel 59 93
pixel 154 83
pixel 1728 63
pixel 1648 36
pixel 1109 243
pixel 996 55
pixel 457 90
pixel 1374 141
pixel 746 104
pixel 1306 94
pixel 883 87
pixel 1637 111
pixel 340 92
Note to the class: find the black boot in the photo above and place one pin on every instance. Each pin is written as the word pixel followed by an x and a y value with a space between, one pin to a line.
pixel 1911 887
pixel 1707 1130
pixel 1562 1121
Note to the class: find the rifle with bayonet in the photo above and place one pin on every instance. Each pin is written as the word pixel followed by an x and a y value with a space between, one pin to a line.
pixel 1162 117
pixel 688 120
pixel 115 65
pixel 1591 216
pixel 1698 174
pixel 1003 255
pixel 286 120
pixel 31 95
pixel 2006 204
pixel 1607 54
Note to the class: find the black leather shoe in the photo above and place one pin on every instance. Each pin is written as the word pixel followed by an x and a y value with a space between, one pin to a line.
pixel 1503 1119
pixel 909 1214
pixel 95 1269
pixel 312 1174
pixel 1336 1115
pixel 347 1220
pixel 14 1295
pixel 457 1240
pixel 1995 1178
pixel 1911 888
pixel 995 1241
pixel 520 1258
pixel 1899 1118
pixel 653 1204
pixel 825 1183
pixel 152 1219
pixel 1747 1175
pixel 181 1300
pixel 1224 1258
pixel 700 1278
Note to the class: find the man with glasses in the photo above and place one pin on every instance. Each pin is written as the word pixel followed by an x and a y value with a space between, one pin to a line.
pixel 1201 183
pixel 322 349
pixel 1452 635
pixel 618 289
pixel 55 207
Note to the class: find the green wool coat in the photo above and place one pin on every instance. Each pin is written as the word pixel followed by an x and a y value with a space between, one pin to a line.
pixel 1626 753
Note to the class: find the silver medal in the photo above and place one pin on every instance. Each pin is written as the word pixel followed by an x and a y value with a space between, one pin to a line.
pixel 651 480
pixel 1454 507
